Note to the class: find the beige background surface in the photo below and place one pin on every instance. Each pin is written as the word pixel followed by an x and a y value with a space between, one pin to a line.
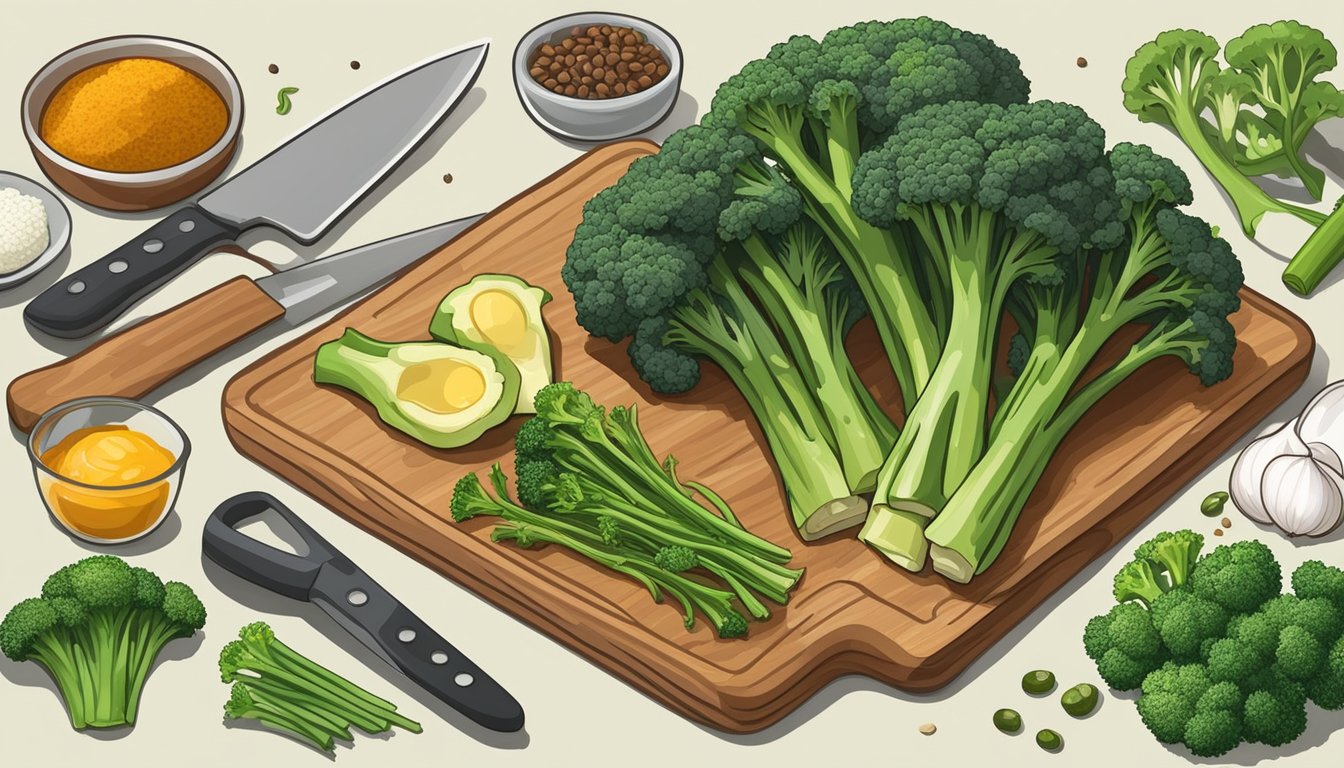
pixel 577 715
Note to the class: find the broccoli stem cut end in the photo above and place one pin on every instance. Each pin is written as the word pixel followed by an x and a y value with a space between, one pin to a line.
pixel 834 516
pixel 898 535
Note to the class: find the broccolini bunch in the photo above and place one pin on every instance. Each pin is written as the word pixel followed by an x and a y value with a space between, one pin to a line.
pixel 588 481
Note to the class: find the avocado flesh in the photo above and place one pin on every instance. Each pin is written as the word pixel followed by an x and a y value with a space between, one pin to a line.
pixel 441 394
pixel 502 312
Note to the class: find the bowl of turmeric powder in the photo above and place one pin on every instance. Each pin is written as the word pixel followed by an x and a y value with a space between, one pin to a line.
pixel 108 469
pixel 132 123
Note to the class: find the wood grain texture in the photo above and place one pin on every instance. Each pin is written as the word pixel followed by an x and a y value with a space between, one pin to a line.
pixel 853 612
pixel 138 360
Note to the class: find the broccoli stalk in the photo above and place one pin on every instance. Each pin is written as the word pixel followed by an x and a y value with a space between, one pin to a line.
pixel 996 196
pixel 97 629
pixel 1170 273
pixel 699 253
pixel 1319 255
pixel 1168 81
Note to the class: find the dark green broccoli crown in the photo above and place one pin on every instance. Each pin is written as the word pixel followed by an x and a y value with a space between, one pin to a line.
pixel 1042 166
pixel 1221 695
pixel 899 66
pixel 645 241
pixel 70 613
pixel 26 622
pixel 1241 577
pixel 1318 616
pixel 676 558
pixel 1170 73
pixel 182 607
pixel 769 205
pixel 1143 176
pixel 773 88
pixel 1203 279
pixel 1315 579
pixel 1233 660
pixel 666 368
pixel 1019 351
pixel 1124 645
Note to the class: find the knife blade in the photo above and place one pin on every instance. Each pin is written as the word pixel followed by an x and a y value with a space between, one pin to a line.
pixel 301 189
pixel 136 361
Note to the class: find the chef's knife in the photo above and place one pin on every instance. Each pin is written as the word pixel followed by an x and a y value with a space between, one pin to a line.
pixel 328 579
pixel 139 359
pixel 302 189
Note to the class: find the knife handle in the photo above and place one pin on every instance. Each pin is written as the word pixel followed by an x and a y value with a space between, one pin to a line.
pixel 92 297
pixel 133 362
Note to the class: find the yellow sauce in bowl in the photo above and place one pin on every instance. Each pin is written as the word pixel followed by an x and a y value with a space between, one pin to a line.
pixel 117 460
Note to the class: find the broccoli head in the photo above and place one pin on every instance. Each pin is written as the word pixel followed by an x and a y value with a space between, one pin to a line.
pixel 97 629
pixel 1240 577
pixel 1174 552
pixel 1315 579
pixel 1188 624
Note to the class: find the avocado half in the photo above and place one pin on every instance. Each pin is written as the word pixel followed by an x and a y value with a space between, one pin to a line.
pixel 500 312
pixel 443 395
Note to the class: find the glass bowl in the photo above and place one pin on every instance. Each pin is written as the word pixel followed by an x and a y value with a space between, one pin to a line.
pixel 114 512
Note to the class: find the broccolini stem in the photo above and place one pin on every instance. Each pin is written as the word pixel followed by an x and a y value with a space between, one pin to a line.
pixel 300 664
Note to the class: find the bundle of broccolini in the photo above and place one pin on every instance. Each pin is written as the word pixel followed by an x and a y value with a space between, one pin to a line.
pixel 588 481
pixel 274 684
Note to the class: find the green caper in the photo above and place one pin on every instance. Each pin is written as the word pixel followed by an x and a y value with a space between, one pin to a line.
pixel 1080 700
pixel 1049 740
pixel 1038 681
pixel 1008 720
pixel 1213 504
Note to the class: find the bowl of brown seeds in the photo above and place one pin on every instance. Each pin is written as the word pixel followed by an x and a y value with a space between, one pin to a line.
pixel 597 76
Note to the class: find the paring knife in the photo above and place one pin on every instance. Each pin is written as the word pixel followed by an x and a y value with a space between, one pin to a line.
pixel 302 189
pixel 141 358
pixel 331 581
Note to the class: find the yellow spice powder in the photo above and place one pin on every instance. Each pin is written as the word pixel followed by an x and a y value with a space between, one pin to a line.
pixel 133 115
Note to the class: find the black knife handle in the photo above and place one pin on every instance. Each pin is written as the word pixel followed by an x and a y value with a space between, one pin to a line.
pixel 92 297
pixel 275 569
pixel 416 649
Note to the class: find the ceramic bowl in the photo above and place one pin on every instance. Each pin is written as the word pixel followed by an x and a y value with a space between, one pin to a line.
pixel 107 514
pixel 58 228
pixel 596 119
pixel 143 190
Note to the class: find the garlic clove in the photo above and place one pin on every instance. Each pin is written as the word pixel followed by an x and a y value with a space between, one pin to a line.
pixel 1322 421
pixel 1325 455
pixel 1299 496
pixel 1249 470
pixel 1328 522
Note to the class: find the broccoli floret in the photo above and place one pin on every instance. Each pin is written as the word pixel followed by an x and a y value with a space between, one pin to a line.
pixel 1125 645
pixel 1175 552
pixel 1188 624
pixel 1170 696
pixel 1276 714
pixel 1315 579
pixel 1137 581
pixel 97 629
pixel 1240 576
pixel 676 558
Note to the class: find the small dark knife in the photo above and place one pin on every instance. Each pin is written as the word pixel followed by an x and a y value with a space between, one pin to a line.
pixel 328 579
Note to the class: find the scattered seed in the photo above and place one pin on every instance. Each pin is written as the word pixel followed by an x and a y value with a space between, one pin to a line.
pixel 284 105
pixel 1227 522
pixel 1082 62
pixel 354 65
pixel 928 729
pixel 1213 504
pixel 447 178
pixel 273 69
pixel 1217 531
pixel 1049 740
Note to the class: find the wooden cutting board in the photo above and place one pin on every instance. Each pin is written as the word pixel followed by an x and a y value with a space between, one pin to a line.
pixel 853 612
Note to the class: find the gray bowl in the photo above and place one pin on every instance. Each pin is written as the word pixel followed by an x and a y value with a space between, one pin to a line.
pixel 597 119
pixel 58 228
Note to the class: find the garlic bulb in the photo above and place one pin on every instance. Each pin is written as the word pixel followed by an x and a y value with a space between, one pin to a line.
pixel 1293 477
